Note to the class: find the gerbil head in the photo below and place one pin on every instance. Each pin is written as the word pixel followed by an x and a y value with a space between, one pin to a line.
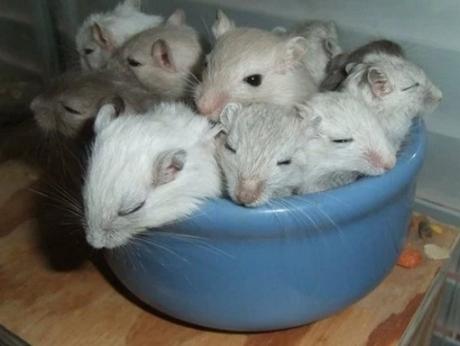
pixel 251 65
pixel 101 33
pixel 394 85
pixel 260 152
pixel 70 102
pixel 163 59
pixel 95 44
pixel 347 136
pixel 146 171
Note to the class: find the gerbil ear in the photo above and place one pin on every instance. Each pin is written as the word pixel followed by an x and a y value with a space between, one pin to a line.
pixel 222 24
pixel 306 112
pixel 161 54
pixel 228 114
pixel 117 103
pixel 102 37
pixel 350 66
pixel 331 48
pixel 104 117
pixel 168 164
pixel 292 53
pixel 378 80
pixel 177 18
pixel 136 4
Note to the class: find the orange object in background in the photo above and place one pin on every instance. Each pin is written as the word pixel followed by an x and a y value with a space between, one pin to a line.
pixel 410 258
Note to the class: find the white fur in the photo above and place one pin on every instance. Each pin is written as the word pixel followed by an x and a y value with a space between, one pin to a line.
pixel 242 52
pixel 121 173
pixel 397 107
pixel 335 115
pixel 120 24
pixel 262 135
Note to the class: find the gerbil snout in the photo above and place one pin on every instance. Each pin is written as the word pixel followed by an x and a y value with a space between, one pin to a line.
pixel 211 106
pixel 433 97
pixel 248 191
pixel 377 161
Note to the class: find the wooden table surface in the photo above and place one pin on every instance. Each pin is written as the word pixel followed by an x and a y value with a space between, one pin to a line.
pixel 47 304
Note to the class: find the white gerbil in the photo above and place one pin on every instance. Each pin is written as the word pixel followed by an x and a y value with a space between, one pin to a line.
pixel 395 88
pixel 261 153
pixel 252 65
pixel 322 44
pixel 67 105
pixel 163 59
pixel 101 33
pixel 147 171
pixel 344 140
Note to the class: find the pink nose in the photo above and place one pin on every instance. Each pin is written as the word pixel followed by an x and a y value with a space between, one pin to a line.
pixel 376 160
pixel 212 106
pixel 248 191
pixel 387 165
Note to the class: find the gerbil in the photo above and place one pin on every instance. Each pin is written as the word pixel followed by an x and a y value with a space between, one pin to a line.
pixel 252 65
pixel 147 171
pixel 322 44
pixel 345 140
pixel 164 59
pixel 336 70
pixel 101 33
pixel 261 152
pixel 395 88
pixel 74 98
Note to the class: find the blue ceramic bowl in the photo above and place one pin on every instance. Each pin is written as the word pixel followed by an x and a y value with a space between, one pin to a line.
pixel 293 261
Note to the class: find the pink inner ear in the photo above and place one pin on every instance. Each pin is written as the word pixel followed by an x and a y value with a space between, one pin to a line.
pixel 381 88
pixel 162 56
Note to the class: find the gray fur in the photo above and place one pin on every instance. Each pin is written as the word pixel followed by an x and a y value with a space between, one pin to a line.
pixel 336 69
pixel 85 93
pixel 262 135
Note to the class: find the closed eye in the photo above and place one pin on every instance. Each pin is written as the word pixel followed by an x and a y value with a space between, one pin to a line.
pixel 229 148
pixel 284 163
pixel 71 110
pixel 88 51
pixel 132 62
pixel 415 85
pixel 342 140
pixel 132 210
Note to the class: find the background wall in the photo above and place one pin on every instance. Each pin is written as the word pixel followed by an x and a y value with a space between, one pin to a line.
pixel 427 29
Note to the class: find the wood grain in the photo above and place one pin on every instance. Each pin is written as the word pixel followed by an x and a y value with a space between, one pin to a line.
pixel 85 307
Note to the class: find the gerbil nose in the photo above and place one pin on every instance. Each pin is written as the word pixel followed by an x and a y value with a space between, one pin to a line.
pixel 248 191
pixel 212 106
pixel 375 159
pixel 389 164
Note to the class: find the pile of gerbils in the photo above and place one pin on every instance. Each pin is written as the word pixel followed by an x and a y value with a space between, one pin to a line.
pixel 264 114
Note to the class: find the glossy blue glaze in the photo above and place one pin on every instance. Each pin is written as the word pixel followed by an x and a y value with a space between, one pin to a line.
pixel 284 264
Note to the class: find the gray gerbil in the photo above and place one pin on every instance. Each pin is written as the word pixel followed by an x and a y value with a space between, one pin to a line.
pixel 164 59
pixel 336 70
pixel 146 171
pixel 261 152
pixel 252 65
pixel 344 140
pixel 74 98
pixel 395 88
pixel 322 46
